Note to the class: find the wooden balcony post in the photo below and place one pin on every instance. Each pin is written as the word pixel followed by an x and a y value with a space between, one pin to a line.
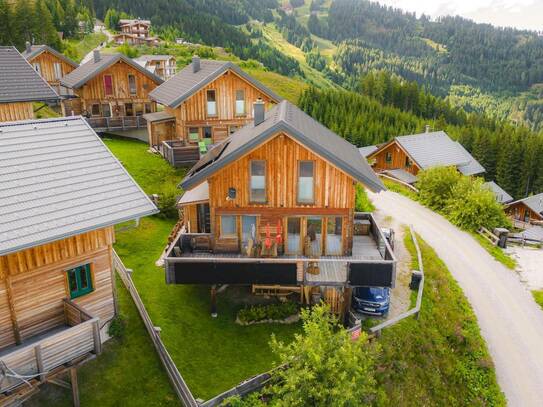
pixel 39 362
pixel 96 337
pixel 75 387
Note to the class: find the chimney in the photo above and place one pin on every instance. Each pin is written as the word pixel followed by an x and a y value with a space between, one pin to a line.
pixel 28 47
pixel 427 128
pixel 258 111
pixel 96 54
pixel 195 63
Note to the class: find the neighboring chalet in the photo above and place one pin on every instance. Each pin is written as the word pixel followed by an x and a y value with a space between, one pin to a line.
pixel 205 102
pixel 163 66
pixel 112 91
pixel 501 195
pixel 404 156
pixel 526 211
pixel 135 32
pixel 50 64
pixel 273 206
pixel 20 87
pixel 62 194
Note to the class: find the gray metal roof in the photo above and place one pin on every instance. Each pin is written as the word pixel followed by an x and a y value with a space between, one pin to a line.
pixel 58 179
pixel 81 75
pixel 534 202
pixel 285 117
pixel 402 175
pixel 365 151
pixel 533 233
pixel 437 149
pixel 19 82
pixel 501 195
pixel 158 116
pixel 36 50
pixel 196 194
pixel 186 83
pixel 149 57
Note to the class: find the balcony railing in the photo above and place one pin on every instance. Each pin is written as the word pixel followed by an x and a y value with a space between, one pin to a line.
pixel 116 123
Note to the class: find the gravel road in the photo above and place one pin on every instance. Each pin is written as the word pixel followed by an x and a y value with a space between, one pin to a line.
pixel 510 320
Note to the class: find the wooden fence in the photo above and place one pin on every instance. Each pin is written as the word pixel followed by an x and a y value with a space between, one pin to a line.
pixel 175 377
pixel 116 123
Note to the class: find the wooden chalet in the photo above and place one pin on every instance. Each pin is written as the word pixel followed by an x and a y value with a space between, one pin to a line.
pixel 527 211
pixel 204 103
pixel 63 191
pixel 112 91
pixel 50 64
pixel 135 32
pixel 404 156
pixel 163 66
pixel 274 206
pixel 20 87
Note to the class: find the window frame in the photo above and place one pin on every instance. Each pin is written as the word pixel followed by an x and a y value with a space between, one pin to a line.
pixel 244 112
pixel 388 157
pixel 57 70
pixel 298 200
pixel 103 111
pixel 229 235
pixel 408 163
pixel 79 291
pixel 252 200
pixel 131 75
pixel 106 86
pixel 99 111
pixel 216 114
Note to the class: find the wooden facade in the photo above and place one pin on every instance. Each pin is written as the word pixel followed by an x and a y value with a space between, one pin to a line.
pixel 16 111
pixel 392 156
pixel 34 285
pixel 333 192
pixel 112 94
pixel 521 212
pixel 51 68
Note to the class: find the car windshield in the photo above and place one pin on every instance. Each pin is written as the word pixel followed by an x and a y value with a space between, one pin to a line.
pixel 371 292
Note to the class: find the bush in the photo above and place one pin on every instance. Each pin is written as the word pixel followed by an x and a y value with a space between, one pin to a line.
pixel 276 312
pixel 436 186
pixel 167 203
pixel 117 327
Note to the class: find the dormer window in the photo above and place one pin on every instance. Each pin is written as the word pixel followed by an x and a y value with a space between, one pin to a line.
pixel 258 181
pixel 240 102
pixel 211 103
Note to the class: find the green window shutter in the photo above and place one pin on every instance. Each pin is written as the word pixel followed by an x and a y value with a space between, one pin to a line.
pixel 79 281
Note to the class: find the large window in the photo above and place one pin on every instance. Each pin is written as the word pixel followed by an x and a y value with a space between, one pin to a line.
pixel 305 182
pixel 240 102
pixel 314 234
pixel 203 218
pixel 79 281
pixel 248 228
pixel 294 245
pixel 106 110
pixel 211 103
pixel 334 236
pixel 108 85
pixel 228 226
pixel 57 67
pixel 132 85
pixel 194 134
pixel 258 181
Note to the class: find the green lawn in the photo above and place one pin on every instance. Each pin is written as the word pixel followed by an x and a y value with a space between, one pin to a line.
pixel 78 48
pixel 538 297
pixel 440 359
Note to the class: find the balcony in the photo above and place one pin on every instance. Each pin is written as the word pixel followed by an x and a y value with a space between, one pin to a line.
pixel 198 258
pixel 101 124
pixel 48 352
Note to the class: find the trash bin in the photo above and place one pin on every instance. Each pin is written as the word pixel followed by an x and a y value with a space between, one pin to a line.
pixel 502 234
pixel 416 278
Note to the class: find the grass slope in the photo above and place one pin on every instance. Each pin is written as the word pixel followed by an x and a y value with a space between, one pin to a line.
pixel 440 359
pixel 78 48
pixel 538 297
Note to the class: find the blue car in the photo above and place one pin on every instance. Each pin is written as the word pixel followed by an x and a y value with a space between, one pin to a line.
pixel 371 300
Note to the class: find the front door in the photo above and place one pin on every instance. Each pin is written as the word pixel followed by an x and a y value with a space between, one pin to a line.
pixel 314 235
pixel 129 109
pixel 203 218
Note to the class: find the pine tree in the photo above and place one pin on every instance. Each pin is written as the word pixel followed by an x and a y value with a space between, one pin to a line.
pixel 5 23
pixel 45 32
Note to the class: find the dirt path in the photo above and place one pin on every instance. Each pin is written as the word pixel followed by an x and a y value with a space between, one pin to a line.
pixel 510 321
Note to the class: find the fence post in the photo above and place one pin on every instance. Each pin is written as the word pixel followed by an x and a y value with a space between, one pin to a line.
pixel 96 337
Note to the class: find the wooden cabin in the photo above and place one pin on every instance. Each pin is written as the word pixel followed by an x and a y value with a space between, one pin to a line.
pixel 404 156
pixel 135 32
pixel 527 211
pixel 20 87
pixel 57 290
pixel 50 64
pixel 163 66
pixel 110 87
pixel 207 101
pixel 278 193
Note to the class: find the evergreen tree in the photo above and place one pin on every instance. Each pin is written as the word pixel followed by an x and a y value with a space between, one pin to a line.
pixel 45 32
pixel 5 23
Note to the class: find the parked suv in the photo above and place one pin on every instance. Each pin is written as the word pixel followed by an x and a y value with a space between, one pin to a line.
pixel 371 300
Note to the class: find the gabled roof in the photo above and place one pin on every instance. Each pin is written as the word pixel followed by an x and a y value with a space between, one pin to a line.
pixel 367 150
pixel 126 21
pixel 402 175
pixel 287 118
pixel 501 195
pixel 36 50
pixel 534 202
pixel 19 82
pixel 434 149
pixel 146 58
pixel 84 73
pixel 186 82
pixel 58 179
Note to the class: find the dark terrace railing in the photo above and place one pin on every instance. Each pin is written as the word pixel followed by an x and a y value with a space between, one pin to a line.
pixel 116 123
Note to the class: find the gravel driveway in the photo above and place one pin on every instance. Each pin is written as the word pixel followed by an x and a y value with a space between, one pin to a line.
pixel 510 320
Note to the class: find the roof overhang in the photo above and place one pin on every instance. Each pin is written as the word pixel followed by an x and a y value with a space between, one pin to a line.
pixel 46 48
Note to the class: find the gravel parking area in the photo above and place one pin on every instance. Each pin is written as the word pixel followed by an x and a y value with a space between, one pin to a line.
pixel 530 265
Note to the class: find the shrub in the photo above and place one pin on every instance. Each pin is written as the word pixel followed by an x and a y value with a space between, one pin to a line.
pixel 117 327
pixel 257 313
pixel 167 203
pixel 436 186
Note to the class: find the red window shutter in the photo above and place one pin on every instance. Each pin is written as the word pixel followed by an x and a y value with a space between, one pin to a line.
pixel 108 85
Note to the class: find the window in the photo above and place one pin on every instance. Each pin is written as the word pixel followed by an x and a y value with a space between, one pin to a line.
pixel 194 134
pixel 333 236
pixel 314 233
pixel 407 162
pixel 106 110
pixel 132 85
pixel 37 67
pixel 95 109
pixel 248 228
pixel 79 281
pixel 305 182
pixel 228 226
pixel 211 103
pixel 139 109
pixel 148 108
pixel 240 102
pixel 526 216
pixel 388 157
pixel 108 85
pixel 203 218
pixel 57 67
pixel 258 181
pixel 129 109
pixel 293 245
pixel 208 133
